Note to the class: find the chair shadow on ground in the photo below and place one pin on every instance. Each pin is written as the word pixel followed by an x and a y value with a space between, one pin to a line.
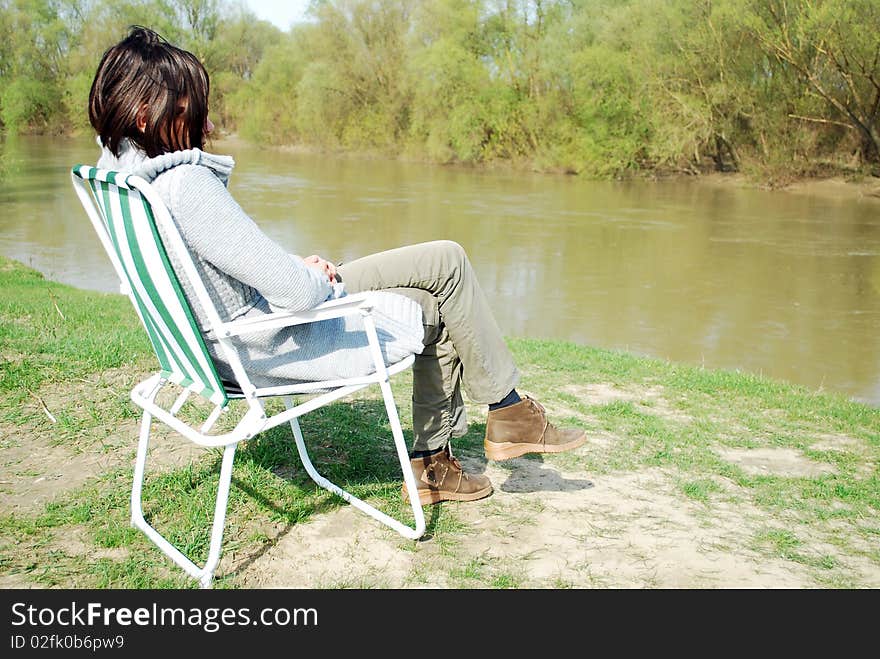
pixel 350 443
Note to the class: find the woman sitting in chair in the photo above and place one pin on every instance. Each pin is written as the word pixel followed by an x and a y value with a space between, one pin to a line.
pixel 149 106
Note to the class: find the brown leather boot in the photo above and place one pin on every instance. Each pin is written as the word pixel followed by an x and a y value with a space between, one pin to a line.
pixel 523 428
pixel 440 477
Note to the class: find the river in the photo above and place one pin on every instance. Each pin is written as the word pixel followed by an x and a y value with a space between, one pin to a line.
pixel 785 285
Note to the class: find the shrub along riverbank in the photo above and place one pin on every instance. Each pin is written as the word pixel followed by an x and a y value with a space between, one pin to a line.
pixel 691 477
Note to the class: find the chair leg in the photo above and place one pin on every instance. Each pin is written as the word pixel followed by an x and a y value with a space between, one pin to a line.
pixel 403 456
pixel 220 507
pixel 204 575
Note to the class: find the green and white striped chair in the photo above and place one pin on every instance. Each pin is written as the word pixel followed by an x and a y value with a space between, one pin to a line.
pixel 126 213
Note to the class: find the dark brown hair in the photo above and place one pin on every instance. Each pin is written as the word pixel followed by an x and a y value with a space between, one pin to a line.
pixel 145 70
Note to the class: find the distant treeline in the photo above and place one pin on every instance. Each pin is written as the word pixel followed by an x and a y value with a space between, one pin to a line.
pixel 776 88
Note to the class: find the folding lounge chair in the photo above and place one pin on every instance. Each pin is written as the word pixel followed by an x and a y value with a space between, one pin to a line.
pixel 126 213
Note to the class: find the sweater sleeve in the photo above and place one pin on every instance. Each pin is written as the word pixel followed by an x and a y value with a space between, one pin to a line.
pixel 221 233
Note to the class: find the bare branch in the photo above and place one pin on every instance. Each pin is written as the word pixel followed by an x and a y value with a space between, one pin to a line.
pixel 822 121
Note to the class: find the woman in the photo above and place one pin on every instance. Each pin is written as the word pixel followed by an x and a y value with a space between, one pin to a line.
pixel 149 106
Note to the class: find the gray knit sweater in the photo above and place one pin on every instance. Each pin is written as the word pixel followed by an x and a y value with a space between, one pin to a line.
pixel 247 274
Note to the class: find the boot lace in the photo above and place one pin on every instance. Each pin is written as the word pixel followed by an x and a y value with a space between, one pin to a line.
pixel 454 461
pixel 535 406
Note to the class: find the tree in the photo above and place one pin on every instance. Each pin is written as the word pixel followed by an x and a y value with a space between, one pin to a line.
pixel 834 48
pixel 449 83
pixel 353 91
pixel 38 36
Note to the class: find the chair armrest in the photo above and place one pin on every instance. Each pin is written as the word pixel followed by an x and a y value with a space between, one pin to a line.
pixel 358 303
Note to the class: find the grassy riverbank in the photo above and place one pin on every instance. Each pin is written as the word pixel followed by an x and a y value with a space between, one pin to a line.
pixel 692 478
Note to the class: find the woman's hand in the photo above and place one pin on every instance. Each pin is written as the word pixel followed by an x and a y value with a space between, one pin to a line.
pixel 315 261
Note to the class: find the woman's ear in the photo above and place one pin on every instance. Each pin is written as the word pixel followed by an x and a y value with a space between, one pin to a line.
pixel 140 119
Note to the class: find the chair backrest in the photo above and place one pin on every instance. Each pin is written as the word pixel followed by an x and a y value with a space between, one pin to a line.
pixel 124 211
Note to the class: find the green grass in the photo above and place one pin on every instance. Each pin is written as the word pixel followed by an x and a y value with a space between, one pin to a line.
pixel 75 355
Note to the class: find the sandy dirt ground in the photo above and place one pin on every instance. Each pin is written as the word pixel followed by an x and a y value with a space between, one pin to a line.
pixel 548 528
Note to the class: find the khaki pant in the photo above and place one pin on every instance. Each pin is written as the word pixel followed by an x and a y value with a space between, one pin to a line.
pixel 463 345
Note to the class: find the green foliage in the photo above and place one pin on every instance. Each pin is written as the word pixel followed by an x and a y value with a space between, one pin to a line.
pixel 33 60
pixel 826 48
pixel 76 100
pixel 26 102
pixel 240 44
pixel 604 88
pixel 449 84
pixel 264 106
pixel 351 92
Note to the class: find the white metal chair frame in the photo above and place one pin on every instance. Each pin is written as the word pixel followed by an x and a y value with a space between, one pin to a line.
pixel 255 420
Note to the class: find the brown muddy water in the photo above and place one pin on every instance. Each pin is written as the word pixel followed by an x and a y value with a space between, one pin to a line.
pixel 785 285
